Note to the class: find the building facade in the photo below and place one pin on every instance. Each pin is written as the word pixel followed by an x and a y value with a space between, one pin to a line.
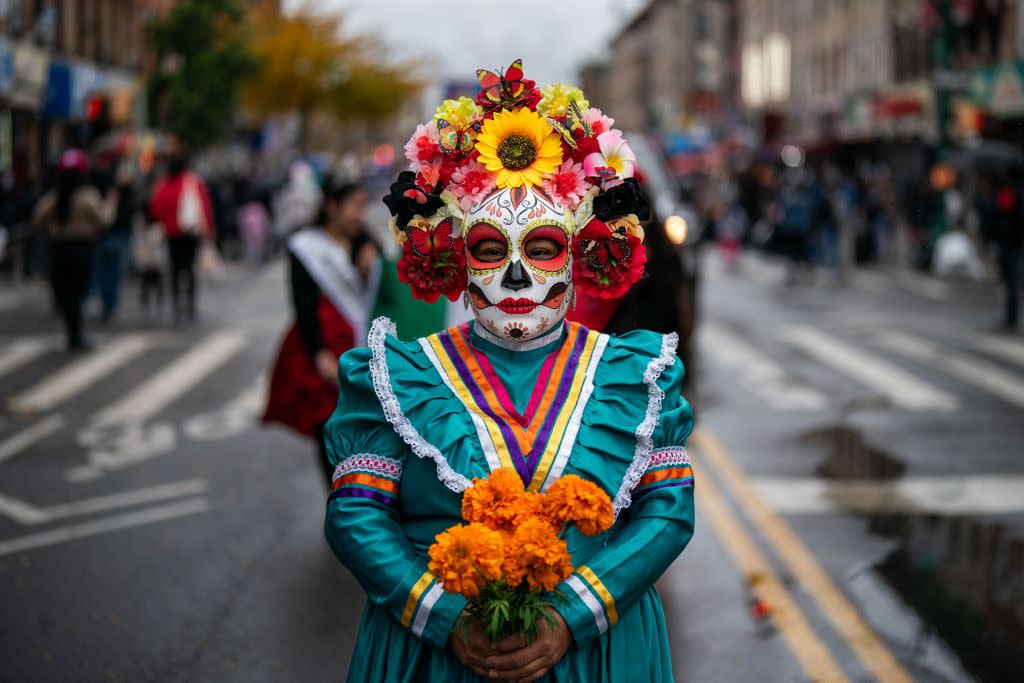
pixel 849 70
pixel 56 58
pixel 670 66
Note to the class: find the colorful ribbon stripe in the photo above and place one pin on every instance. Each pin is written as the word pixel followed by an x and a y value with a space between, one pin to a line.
pixel 529 442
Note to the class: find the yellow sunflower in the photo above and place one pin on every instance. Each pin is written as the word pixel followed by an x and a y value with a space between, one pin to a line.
pixel 519 146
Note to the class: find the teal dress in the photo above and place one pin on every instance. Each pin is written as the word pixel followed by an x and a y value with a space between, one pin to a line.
pixel 417 421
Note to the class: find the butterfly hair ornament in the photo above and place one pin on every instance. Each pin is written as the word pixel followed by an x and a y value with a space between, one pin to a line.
pixel 516 201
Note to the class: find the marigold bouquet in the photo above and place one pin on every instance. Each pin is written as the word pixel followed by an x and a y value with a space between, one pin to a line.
pixel 512 552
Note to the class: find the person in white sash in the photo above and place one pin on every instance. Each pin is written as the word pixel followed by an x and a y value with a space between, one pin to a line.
pixel 335 272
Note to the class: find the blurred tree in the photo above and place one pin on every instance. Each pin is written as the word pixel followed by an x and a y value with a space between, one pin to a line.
pixel 307 65
pixel 202 53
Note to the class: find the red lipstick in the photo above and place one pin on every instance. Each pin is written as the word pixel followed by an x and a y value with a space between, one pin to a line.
pixel 516 306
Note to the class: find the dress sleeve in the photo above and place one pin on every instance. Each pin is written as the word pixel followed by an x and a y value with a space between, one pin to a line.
pixel 305 295
pixel 363 525
pixel 649 534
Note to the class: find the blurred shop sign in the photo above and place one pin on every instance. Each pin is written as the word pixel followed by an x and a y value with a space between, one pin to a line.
pixel 999 90
pixel 857 120
pixel 31 69
pixel 6 67
pixel 57 103
pixel 952 81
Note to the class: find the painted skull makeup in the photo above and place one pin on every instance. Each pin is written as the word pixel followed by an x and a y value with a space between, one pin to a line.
pixel 538 189
pixel 517 250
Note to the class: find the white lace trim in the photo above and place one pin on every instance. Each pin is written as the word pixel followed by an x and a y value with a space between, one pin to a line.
pixel 673 456
pixel 377 465
pixel 379 330
pixel 644 445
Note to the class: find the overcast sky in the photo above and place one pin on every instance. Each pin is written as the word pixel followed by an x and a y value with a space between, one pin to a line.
pixel 554 37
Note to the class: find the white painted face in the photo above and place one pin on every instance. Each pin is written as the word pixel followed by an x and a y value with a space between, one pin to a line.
pixel 517 248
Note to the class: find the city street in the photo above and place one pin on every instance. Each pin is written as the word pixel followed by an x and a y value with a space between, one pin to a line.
pixel 851 457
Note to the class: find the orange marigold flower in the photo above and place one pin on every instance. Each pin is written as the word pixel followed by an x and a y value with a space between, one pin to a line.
pixel 572 500
pixel 538 555
pixel 499 501
pixel 465 557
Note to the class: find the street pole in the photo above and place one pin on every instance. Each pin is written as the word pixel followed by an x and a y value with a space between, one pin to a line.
pixel 944 52
pixel 943 47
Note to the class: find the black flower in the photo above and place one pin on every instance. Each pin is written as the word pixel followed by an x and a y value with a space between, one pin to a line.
pixel 407 199
pixel 622 200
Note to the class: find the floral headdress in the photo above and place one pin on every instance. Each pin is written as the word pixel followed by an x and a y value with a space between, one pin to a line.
pixel 516 135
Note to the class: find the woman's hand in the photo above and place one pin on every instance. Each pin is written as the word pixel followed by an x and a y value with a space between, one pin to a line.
pixel 473 648
pixel 327 365
pixel 517 661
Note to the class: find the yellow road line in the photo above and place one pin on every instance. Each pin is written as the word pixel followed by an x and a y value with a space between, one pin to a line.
pixel 870 650
pixel 813 655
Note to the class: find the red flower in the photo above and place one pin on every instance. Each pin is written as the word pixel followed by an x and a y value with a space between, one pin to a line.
pixel 449 164
pixel 428 176
pixel 584 147
pixel 433 274
pixel 606 265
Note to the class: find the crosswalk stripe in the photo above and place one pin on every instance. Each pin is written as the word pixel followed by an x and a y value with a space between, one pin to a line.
pixel 153 395
pixel 127 520
pixel 1001 348
pixel 23 512
pixel 990 494
pixel 12 300
pixel 30 435
pixel 936 290
pixel 20 352
pixel 993 379
pixel 148 494
pixel 899 386
pixel 763 375
pixel 80 374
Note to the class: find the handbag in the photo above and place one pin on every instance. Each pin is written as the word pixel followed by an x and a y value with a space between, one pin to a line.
pixel 191 219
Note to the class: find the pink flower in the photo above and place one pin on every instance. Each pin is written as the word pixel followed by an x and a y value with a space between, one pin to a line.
pixel 471 183
pixel 614 154
pixel 567 185
pixel 599 123
pixel 422 146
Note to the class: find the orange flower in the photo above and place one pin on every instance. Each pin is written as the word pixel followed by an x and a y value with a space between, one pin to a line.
pixel 465 557
pixel 498 502
pixel 538 555
pixel 572 500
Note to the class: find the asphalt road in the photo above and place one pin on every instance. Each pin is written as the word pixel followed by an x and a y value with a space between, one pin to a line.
pixel 861 493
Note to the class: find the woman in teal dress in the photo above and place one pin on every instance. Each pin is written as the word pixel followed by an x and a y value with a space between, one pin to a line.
pixel 518 387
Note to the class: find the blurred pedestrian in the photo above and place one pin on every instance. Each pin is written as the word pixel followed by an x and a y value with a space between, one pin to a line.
pixel 254 226
pixel 181 205
pixel 1006 230
pixel 796 228
pixel 335 271
pixel 295 206
pixel 73 215
pixel 732 231
pixel 149 257
pixel 113 246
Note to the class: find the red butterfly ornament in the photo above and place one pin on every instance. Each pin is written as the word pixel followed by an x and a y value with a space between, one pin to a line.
pixel 508 90
pixel 426 240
